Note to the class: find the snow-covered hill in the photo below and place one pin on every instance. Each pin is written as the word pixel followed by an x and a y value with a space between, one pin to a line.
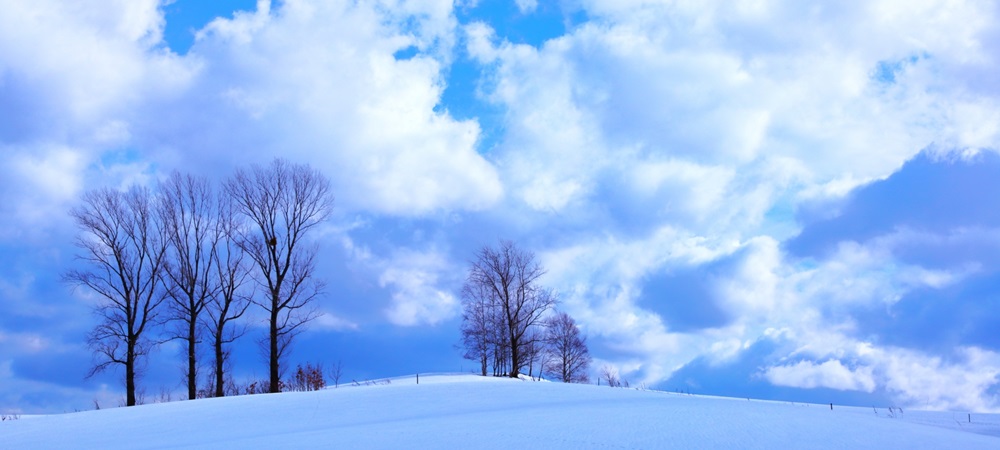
pixel 467 411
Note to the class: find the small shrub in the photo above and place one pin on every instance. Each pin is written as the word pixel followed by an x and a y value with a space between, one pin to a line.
pixel 308 378
pixel 260 387
pixel 610 375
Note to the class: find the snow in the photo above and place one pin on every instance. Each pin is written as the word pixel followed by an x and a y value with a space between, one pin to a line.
pixel 469 411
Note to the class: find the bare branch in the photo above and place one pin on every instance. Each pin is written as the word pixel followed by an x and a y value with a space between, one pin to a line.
pixel 123 248
pixel 281 203
pixel 502 302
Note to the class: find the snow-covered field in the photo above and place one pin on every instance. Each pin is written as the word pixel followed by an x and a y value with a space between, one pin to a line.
pixel 467 411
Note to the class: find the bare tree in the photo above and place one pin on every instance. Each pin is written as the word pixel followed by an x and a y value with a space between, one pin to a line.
pixel 123 246
pixel 478 324
pixel 231 300
pixel 336 372
pixel 610 375
pixel 533 352
pixel 188 217
pixel 282 203
pixel 568 357
pixel 508 277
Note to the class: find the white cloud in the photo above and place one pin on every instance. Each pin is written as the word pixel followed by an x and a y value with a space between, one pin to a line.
pixel 309 81
pixel 812 302
pixel 702 91
pixel 72 75
pixel 341 101
pixel 829 374
pixel 80 63
pixel 705 117
pixel 914 378
pixel 330 321
pixel 816 316
pixel 25 343
pixel 933 383
pixel 526 6
pixel 418 297
pixel 42 183
pixel 599 284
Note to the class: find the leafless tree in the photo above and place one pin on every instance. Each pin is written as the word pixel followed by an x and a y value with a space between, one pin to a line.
pixel 478 324
pixel 568 358
pixel 282 202
pixel 232 298
pixel 188 217
pixel 610 375
pixel 336 371
pixel 507 277
pixel 123 247
pixel 534 351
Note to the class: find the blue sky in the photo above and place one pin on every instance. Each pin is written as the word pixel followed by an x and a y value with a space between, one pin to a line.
pixel 765 199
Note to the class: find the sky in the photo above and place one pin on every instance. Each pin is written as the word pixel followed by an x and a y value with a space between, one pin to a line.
pixel 766 199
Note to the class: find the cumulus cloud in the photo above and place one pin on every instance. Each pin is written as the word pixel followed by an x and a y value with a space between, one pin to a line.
pixel 914 378
pixel 418 296
pixel 314 82
pixel 320 82
pixel 599 282
pixel 526 6
pixel 330 321
pixel 714 88
pixel 963 380
pixel 71 76
pixel 934 383
pixel 704 117
pixel 77 63
pixel 43 182
pixel 91 96
pixel 830 374
pixel 25 342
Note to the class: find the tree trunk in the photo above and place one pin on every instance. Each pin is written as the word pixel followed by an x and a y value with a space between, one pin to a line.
pixel 219 391
pixel 514 357
pixel 192 372
pixel 275 381
pixel 130 374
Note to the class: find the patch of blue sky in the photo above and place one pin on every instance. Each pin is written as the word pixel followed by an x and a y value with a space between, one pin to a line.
pixel 462 99
pixel 185 17
pixel 406 53
pixel 465 77
pixel 547 21
pixel 121 156
pixel 128 165
pixel 887 71
pixel 780 222
pixel 805 264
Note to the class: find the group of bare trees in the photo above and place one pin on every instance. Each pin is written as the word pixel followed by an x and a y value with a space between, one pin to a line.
pixel 184 260
pixel 505 325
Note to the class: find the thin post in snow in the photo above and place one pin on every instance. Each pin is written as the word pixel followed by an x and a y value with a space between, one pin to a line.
pixel 418 378
pixel 831 406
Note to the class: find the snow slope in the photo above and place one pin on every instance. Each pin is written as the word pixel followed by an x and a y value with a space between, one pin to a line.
pixel 467 411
